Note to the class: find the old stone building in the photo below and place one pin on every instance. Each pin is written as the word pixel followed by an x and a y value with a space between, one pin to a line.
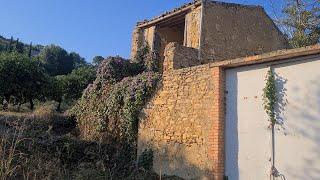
pixel 202 46
pixel 210 31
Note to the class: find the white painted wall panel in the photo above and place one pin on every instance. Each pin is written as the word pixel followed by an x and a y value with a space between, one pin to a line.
pixel 248 142
pixel 298 144
pixel 247 136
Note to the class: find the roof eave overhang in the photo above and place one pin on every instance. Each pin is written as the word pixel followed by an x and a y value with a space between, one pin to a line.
pixel 168 16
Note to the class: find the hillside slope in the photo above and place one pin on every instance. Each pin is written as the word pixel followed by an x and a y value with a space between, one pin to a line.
pixel 5 43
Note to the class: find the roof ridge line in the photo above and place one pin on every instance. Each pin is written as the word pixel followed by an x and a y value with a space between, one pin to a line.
pixel 194 2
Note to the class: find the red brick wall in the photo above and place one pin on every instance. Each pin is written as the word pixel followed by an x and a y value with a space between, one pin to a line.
pixel 216 138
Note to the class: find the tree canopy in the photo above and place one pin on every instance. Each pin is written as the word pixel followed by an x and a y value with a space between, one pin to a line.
pixel 75 82
pixel 301 22
pixel 77 60
pixel 21 77
pixel 58 61
pixel 97 60
pixel 52 74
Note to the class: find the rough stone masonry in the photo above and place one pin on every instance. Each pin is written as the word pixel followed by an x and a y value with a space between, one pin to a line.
pixel 184 122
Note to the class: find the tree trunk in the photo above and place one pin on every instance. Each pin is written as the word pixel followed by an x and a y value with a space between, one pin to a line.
pixel 5 103
pixel 19 106
pixel 31 104
pixel 59 106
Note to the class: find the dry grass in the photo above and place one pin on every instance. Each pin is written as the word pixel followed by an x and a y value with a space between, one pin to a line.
pixel 9 153
pixel 16 114
pixel 43 145
pixel 21 157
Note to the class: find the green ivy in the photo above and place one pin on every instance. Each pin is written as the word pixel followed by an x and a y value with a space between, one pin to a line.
pixel 270 96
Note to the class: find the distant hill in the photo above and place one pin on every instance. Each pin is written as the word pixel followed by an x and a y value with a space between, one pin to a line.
pixel 5 43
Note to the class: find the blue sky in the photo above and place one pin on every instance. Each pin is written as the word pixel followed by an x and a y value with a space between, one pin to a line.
pixel 89 27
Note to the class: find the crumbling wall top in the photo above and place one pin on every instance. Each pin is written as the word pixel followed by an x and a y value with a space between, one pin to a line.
pixel 185 7
pixel 178 56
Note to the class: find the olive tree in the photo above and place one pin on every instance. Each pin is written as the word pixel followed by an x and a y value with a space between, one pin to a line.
pixel 23 78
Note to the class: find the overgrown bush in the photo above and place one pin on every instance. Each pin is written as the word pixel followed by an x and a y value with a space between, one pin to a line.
pixel 109 108
pixel 111 105
pixel 147 58
pixel 114 109
pixel 114 69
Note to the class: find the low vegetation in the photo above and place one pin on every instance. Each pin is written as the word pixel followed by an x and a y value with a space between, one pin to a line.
pixel 44 145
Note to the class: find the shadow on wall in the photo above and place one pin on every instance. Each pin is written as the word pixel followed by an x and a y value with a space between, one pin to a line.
pixel 307 108
pixel 281 100
pixel 173 159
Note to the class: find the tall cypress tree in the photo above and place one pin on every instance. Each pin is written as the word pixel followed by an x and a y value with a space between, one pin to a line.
pixel 7 48
pixel 19 46
pixel 30 50
pixel 10 44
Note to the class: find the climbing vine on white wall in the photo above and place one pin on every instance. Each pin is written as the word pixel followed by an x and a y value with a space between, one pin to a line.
pixel 270 100
pixel 270 97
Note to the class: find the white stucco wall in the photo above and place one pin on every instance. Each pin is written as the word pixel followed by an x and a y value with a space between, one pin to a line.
pixel 248 142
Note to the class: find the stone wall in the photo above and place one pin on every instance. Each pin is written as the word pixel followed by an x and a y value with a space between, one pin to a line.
pixel 149 35
pixel 178 56
pixel 158 37
pixel 182 126
pixel 232 30
pixel 141 36
pixel 220 30
pixel 165 36
pixel 137 40
pixel 192 31
pixel 175 123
